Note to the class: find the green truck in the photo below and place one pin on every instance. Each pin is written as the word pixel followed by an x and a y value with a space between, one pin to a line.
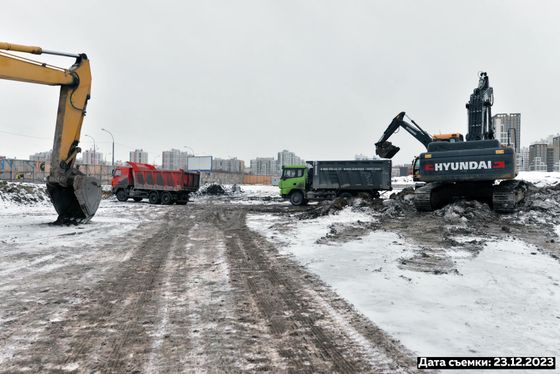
pixel 325 180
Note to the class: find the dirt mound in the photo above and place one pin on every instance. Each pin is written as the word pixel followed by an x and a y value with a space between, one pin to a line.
pixel 540 206
pixel 398 203
pixel 212 189
pixel 22 194
pixel 325 208
pixel 360 202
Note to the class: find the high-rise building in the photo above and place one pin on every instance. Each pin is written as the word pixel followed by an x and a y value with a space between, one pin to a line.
pixel 41 156
pixel 523 159
pixel 91 157
pixel 232 165
pixel 556 152
pixel 508 129
pixel 174 159
pixel 138 155
pixel 538 157
pixel 264 166
pixel 287 158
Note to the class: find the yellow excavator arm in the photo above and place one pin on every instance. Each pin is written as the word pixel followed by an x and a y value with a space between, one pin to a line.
pixel 75 196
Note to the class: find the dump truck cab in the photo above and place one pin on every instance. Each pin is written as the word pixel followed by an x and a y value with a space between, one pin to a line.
pixel 294 177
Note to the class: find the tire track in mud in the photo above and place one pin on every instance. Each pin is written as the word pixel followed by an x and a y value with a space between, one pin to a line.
pixel 111 316
pixel 204 293
pixel 313 333
pixel 38 298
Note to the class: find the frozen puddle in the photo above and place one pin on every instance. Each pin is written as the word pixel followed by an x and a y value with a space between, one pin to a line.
pixel 505 301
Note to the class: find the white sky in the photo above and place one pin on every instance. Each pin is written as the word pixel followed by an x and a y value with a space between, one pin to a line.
pixel 250 78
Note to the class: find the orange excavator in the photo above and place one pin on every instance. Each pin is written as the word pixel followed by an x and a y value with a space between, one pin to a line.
pixel 74 195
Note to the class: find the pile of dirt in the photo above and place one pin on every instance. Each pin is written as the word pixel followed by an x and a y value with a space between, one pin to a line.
pixel 22 194
pixel 212 189
pixel 398 204
pixel 325 208
pixel 465 211
pixel 361 202
pixel 541 205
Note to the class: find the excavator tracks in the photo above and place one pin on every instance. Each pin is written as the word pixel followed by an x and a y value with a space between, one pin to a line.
pixel 503 197
pixel 423 197
pixel 507 195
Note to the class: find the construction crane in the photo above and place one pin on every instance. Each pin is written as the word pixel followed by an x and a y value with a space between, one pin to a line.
pixel 454 169
pixel 74 195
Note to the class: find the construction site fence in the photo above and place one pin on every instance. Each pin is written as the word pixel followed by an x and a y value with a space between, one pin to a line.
pixel 37 171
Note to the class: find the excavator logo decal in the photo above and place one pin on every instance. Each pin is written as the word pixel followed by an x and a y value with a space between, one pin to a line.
pixel 464 165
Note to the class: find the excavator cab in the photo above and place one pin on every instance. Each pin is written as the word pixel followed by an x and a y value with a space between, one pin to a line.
pixel 74 195
pixel 450 138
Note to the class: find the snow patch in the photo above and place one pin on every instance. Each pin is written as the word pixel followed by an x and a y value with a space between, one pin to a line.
pixel 503 301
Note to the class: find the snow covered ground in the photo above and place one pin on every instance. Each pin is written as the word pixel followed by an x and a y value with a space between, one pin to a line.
pixel 503 301
pixel 245 194
pixel 540 178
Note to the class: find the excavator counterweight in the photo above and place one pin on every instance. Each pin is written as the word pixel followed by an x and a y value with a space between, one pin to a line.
pixel 74 195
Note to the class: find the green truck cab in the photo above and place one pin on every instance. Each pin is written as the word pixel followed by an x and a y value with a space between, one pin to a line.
pixel 293 183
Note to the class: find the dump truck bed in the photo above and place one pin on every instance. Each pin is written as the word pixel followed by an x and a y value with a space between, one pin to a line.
pixel 166 180
pixel 360 175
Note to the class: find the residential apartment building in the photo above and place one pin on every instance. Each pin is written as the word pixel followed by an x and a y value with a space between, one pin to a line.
pixel 174 159
pixel 92 157
pixel 538 157
pixel 523 159
pixel 287 158
pixel 138 155
pixel 508 129
pixel 265 166
pixel 232 165
pixel 556 152
pixel 41 156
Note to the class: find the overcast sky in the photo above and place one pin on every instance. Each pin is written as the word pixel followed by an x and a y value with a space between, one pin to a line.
pixel 250 78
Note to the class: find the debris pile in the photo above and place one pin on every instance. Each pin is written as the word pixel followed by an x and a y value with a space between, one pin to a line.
pixel 22 194
pixel 325 208
pixel 212 189
pixel 358 203
pixel 541 205
pixel 399 203
pixel 464 211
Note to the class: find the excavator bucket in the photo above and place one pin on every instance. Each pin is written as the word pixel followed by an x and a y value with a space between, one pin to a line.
pixel 386 150
pixel 77 201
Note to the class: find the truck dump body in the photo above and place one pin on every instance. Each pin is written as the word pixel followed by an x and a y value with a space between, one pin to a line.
pixel 140 181
pixel 165 180
pixel 360 175
pixel 483 160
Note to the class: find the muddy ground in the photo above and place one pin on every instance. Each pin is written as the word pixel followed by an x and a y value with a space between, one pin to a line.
pixel 192 290
pixel 535 222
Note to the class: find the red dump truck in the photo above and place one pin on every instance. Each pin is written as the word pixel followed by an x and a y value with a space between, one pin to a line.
pixel 139 181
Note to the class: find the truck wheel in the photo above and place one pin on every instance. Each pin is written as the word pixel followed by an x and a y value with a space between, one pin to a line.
pixel 153 198
pixel 122 195
pixel 166 198
pixel 137 199
pixel 183 198
pixel 296 198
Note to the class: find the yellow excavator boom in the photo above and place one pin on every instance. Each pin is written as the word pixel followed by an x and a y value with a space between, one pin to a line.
pixel 75 196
